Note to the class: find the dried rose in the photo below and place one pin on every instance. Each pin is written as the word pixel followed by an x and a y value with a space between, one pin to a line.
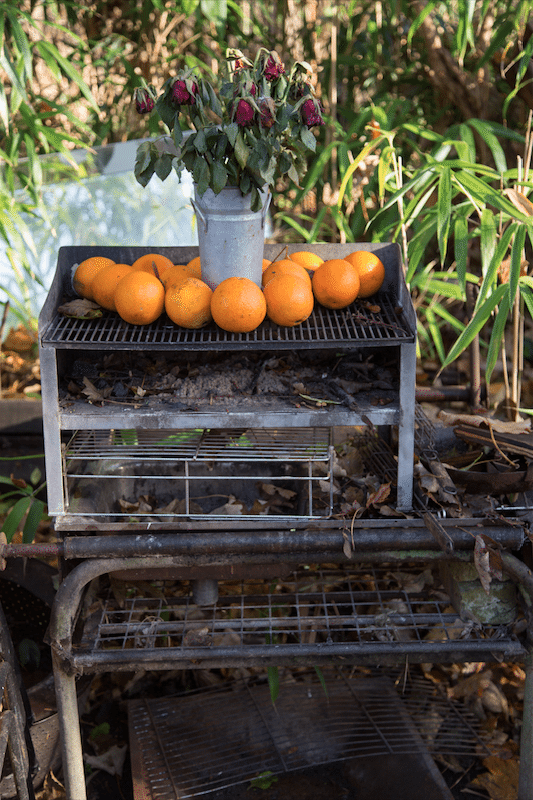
pixel 268 112
pixel 183 92
pixel 274 67
pixel 244 114
pixel 144 102
pixel 311 113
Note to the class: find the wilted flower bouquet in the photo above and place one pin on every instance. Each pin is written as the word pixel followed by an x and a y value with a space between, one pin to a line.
pixel 253 129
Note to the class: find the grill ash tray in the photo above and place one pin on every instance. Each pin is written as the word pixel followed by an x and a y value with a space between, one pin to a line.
pixel 157 475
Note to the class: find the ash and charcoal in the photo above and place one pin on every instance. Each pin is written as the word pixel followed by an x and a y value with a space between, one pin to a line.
pixel 190 379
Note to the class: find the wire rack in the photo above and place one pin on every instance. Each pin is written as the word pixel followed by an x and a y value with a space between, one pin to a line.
pixel 318 614
pixel 173 473
pixel 201 746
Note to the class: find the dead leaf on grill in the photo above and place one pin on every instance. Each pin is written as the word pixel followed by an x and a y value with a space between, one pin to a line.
pixel 80 309
pixel 231 508
pixel 93 394
pixel 139 507
pixel 501 780
pixel 271 489
pixel 379 496
pixel 487 561
pixel 197 637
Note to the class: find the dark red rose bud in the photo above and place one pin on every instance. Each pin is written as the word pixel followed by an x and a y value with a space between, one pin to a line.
pixel 244 115
pixel 311 113
pixel 183 94
pixel 268 112
pixel 144 102
pixel 274 67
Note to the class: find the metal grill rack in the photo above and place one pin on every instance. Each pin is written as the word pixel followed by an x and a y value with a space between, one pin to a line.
pixel 349 615
pixel 318 616
pixel 349 716
pixel 192 473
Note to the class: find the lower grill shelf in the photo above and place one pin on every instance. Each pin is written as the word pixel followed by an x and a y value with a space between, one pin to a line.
pixel 365 616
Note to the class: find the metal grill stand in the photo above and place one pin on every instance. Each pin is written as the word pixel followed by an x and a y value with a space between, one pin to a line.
pixel 327 617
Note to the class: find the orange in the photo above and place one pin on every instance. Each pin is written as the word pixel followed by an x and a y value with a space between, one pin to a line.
pixel 175 274
pixel 307 259
pixel 85 272
pixel 154 263
pixel 371 271
pixel 266 263
pixel 285 266
pixel 139 297
pixel 238 305
pixel 194 264
pixel 105 282
pixel 188 303
pixel 335 283
pixel 289 300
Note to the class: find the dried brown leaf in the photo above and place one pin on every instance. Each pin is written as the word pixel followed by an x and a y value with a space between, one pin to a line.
pixel 80 309
pixel 501 780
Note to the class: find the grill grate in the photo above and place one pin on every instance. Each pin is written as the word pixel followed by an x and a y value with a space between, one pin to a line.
pixel 192 744
pixel 316 611
pixel 355 325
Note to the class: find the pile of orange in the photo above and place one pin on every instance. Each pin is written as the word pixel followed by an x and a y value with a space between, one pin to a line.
pixel 140 292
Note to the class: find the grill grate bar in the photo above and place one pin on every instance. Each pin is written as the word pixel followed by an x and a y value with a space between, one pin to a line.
pixel 354 325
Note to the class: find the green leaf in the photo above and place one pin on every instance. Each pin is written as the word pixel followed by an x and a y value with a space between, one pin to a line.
pixel 460 239
pixel 163 166
pixel 491 273
pixel 201 174
pixel 241 150
pixel 14 518
pixel 487 239
pixel 35 515
pixel 444 208
pixel 273 683
pixel 219 176
pixel 485 132
pixel 308 138
pixel 517 255
pixel 496 337
pixel 475 325
pixel 232 131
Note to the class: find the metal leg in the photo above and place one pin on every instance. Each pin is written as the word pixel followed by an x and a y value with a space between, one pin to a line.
pixel 406 426
pixel 69 726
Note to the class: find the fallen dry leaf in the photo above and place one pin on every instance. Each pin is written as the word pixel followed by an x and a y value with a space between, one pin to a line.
pixel 80 309
pixel 502 426
pixel 501 780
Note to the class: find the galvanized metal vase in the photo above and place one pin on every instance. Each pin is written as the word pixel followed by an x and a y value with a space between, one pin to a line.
pixel 231 236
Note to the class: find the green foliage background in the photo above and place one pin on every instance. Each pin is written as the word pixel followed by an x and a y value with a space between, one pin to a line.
pixel 428 108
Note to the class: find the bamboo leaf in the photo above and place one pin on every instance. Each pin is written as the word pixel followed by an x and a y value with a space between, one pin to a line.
pixel 498 256
pixel 496 337
pixel 367 149
pixel 444 207
pixel 461 249
pixel 517 255
pixel 475 325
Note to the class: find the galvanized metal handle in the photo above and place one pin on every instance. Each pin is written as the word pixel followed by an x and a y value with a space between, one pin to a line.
pixel 199 214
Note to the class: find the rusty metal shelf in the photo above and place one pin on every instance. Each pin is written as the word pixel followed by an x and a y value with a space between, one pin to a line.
pixel 358 616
